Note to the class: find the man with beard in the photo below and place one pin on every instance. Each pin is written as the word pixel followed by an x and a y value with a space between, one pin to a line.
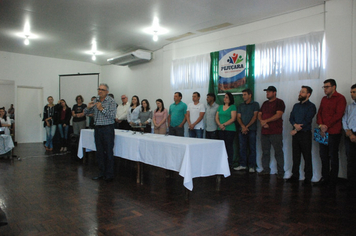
pixel 301 119
pixel 270 117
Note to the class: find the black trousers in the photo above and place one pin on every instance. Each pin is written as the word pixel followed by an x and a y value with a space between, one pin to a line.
pixel 123 125
pixel 104 141
pixel 330 154
pixel 351 161
pixel 302 145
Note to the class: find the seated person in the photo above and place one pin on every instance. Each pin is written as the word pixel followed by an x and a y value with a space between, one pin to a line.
pixel 5 121
pixel 11 112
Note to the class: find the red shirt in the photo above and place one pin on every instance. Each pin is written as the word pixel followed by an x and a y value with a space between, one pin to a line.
pixel 268 110
pixel 63 114
pixel 331 111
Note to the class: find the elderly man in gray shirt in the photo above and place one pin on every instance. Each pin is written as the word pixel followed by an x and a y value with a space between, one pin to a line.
pixel 210 113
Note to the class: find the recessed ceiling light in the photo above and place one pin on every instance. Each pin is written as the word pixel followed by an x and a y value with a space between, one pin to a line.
pixel 155 29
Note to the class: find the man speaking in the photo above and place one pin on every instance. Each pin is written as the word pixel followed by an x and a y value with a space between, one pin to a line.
pixel 104 110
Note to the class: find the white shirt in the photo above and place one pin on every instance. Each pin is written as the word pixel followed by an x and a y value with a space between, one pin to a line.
pixel 8 121
pixel 194 113
pixel 121 111
pixel 133 116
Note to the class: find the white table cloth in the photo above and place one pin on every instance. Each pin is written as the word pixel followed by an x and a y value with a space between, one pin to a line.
pixel 191 157
pixel 6 144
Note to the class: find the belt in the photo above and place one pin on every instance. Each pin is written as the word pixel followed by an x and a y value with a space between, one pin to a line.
pixel 102 126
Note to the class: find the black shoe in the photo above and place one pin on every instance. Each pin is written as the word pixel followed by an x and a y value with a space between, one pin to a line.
pixel 281 177
pixel 321 182
pixel 292 180
pixel 108 180
pixel 263 173
pixel 97 177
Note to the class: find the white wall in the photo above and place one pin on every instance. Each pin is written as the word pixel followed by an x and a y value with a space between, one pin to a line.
pixel 152 80
pixel 41 72
pixel 7 95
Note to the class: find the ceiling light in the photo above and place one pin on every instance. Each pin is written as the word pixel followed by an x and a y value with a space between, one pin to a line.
pixel 155 37
pixel 155 29
pixel 27 41
pixel 93 57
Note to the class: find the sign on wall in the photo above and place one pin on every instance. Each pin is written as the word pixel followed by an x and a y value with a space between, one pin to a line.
pixel 232 70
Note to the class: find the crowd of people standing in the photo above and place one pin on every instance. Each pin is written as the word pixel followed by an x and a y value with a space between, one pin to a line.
pixel 220 122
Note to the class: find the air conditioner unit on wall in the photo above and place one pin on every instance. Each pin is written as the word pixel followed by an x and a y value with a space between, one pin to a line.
pixel 133 58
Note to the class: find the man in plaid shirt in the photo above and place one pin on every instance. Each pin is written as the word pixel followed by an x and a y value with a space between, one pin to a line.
pixel 104 110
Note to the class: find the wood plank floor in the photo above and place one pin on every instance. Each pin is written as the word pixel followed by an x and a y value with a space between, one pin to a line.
pixel 54 195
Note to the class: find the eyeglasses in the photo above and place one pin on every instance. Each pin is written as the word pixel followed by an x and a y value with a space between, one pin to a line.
pixel 123 98
pixel 326 87
pixel 99 89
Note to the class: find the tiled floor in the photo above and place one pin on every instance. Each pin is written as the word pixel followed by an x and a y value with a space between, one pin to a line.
pixel 54 195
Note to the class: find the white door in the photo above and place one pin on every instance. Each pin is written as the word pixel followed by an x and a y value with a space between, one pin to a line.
pixel 29 125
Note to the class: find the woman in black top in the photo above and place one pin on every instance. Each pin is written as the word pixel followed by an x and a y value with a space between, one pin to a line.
pixel 64 116
pixel 49 122
pixel 79 119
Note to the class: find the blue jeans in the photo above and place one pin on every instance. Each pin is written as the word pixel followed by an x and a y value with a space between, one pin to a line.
pixel 250 140
pixel 65 129
pixel 228 137
pixel 196 133
pixel 104 142
pixel 50 132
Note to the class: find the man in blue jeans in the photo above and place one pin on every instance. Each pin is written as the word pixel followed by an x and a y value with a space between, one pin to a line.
pixel 247 118
pixel 195 115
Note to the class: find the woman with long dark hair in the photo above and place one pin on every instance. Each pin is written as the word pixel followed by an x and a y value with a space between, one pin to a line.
pixel 160 118
pixel 145 116
pixel 64 116
pixel 134 111
pixel 49 122
pixel 225 119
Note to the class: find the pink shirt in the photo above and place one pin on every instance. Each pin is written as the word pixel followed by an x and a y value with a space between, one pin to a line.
pixel 159 116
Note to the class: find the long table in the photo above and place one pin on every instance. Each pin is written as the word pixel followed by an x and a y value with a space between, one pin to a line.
pixel 191 157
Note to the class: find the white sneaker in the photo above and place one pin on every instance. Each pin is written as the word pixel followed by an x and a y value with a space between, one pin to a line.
pixel 240 168
pixel 61 149
pixel 64 149
pixel 252 170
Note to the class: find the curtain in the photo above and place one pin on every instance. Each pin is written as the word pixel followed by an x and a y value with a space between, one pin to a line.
pixel 191 72
pixel 288 64
pixel 190 75
pixel 296 58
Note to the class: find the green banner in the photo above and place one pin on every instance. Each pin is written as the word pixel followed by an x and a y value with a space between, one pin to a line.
pixel 250 83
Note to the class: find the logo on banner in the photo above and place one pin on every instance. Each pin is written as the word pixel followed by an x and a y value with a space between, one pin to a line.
pixel 232 63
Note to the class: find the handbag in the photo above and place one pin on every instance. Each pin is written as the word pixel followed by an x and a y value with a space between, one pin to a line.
pixel 320 139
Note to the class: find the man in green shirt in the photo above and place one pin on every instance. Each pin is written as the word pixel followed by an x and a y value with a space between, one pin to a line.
pixel 176 117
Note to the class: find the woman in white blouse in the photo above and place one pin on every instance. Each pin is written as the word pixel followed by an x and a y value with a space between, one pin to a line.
pixel 5 121
pixel 134 111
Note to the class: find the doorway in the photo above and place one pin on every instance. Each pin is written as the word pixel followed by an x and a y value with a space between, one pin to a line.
pixel 29 125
